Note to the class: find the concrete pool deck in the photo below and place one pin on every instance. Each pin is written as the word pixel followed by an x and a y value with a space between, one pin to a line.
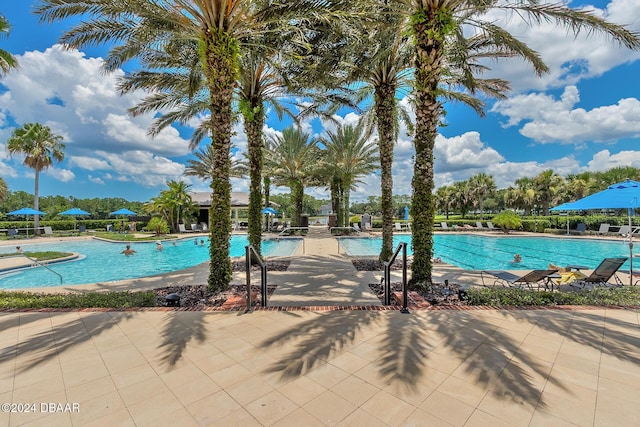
pixel 563 367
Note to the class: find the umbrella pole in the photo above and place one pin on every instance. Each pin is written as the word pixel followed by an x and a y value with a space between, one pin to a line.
pixel 630 250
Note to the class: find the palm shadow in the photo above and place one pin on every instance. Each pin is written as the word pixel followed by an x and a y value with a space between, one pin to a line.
pixel 317 340
pixel 178 331
pixel 47 345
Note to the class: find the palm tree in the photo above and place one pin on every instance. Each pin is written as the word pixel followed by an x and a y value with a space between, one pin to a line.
pixel 40 147
pixel 293 160
pixel 7 61
pixel 445 199
pixel 173 204
pixel 481 185
pixel 203 164
pixel 349 155
pixel 434 24
pixel 546 185
pixel 222 30
pixel 4 190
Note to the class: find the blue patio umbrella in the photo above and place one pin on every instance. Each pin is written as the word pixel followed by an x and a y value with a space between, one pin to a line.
pixel 623 195
pixel 269 210
pixel 123 211
pixel 75 212
pixel 26 212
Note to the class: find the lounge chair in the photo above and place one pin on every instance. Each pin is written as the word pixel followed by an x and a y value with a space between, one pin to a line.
pixel 182 229
pixel 82 229
pixel 581 227
pixel 356 227
pixel 12 232
pixel 624 231
pixel 604 228
pixel 444 226
pixel 603 273
pixel 204 226
pixel 398 226
pixel 47 231
pixel 491 227
pixel 479 225
pixel 529 280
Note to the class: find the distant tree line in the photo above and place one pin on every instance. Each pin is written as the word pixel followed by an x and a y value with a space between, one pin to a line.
pixel 99 208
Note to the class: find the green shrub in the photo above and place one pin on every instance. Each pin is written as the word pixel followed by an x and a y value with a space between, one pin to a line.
pixel 508 220
pixel 88 300
pixel 158 225
pixel 513 297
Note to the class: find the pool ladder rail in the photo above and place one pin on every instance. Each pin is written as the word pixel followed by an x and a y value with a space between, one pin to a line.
pixel 35 263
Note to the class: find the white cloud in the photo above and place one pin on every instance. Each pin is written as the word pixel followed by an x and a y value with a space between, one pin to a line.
pixel 63 175
pixel 550 120
pixel 465 151
pixel 604 160
pixel 71 94
pixel 570 59
pixel 95 179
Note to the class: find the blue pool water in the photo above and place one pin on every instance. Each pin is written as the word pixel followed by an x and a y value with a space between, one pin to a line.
pixel 473 252
pixel 102 261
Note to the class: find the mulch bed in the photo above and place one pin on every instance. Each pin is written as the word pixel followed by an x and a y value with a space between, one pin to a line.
pixel 198 296
pixel 429 294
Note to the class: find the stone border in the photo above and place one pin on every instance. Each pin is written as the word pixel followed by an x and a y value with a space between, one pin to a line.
pixel 240 307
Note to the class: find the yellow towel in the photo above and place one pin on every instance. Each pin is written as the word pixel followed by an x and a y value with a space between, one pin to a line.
pixel 570 276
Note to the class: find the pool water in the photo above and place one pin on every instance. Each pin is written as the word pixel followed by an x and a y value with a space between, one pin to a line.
pixel 102 262
pixel 472 252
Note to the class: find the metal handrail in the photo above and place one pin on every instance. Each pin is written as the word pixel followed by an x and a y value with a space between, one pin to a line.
pixel 387 277
pixel 249 250
pixel 38 263
pixel 295 228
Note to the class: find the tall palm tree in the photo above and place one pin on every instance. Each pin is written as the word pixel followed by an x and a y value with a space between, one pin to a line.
pixel 349 155
pixel 434 24
pixel 293 160
pixel 41 147
pixel 222 30
pixel 7 61
pixel 481 185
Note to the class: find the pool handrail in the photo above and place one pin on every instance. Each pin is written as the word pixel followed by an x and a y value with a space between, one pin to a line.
pixel 387 277
pixel 35 263
pixel 250 254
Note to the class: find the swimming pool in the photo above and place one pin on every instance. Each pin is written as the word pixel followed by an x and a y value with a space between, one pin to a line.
pixel 102 262
pixel 473 252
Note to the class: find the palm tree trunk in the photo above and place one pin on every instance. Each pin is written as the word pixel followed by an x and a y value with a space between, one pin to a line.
pixel 297 194
pixel 385 112
pixel 253 121
pixel 429 33
pixel 220 68
pixel 36 203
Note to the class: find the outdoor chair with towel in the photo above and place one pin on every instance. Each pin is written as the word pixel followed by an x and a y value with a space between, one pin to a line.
pixel 529 280
pixel 603 273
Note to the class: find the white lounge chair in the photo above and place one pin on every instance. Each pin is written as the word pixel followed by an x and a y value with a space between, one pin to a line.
pixel 182 229
pixel 47 231
pixel 479 225
pixel 604 228
pixel 356 227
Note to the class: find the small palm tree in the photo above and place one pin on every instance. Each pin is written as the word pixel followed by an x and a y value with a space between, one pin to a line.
pixel 7 61
pixel 481 185
pixel 41 147
pixel 348 155
pixel 293 160
pixel 173 204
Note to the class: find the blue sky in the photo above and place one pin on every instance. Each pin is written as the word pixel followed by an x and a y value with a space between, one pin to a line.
pixel 583 115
